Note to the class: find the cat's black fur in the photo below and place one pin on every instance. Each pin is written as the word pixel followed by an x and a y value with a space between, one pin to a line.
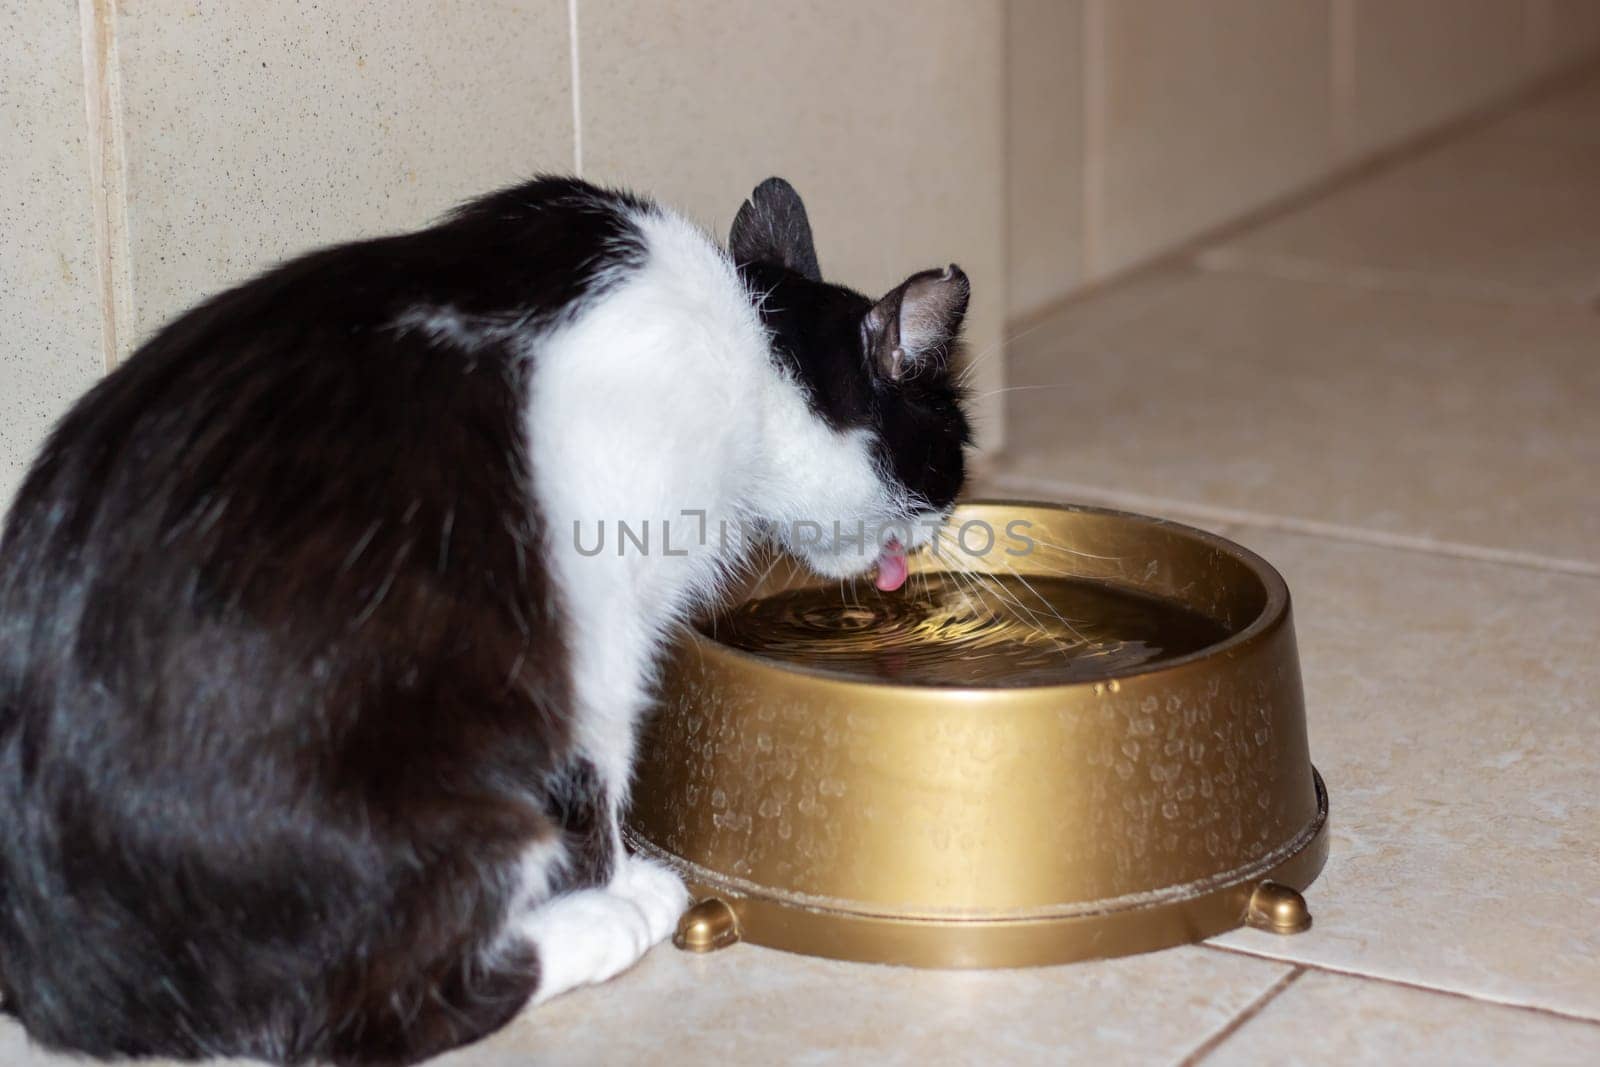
pixel 283 679
pixel 919 424
pixel 278 661
pixel 821 331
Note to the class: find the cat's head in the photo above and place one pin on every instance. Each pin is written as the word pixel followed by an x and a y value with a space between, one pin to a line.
pixel 886 448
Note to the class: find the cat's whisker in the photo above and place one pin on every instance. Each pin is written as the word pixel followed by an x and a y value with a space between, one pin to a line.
pixel 1045 602
pixel 986 588
pixel 1020 389
pixel 972 361
pixel 756 581
pixel 993 579
pixel 1020 609
pixel 1064 550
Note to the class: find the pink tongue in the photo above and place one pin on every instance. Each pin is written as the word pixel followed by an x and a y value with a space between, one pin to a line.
pixel 891 567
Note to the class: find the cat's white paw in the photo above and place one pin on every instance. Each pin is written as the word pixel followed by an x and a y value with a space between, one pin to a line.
pixel 656 890
pixel 585 937
pixel 595 934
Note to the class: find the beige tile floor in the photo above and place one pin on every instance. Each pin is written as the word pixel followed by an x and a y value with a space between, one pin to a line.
pixel 1410 429
pixel 1505 213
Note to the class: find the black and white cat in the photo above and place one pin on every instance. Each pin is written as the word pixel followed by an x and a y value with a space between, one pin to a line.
pixel 315 722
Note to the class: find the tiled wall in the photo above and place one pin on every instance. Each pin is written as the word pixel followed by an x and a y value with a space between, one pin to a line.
pixel 157 150
pixel 1136 125
pixel 50 343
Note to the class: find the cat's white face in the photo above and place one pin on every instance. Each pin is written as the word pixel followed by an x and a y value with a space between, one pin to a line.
pixel 845 515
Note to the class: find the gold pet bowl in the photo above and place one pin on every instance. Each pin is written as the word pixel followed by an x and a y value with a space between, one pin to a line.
pixel 826 811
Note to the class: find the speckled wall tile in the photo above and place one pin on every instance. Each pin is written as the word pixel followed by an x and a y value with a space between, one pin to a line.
pixel 1330 1019
pixel 50 340
pixel 886 116
pixel 1451 707
pixel 753 1006
pixel 258 131
pixel 1044 152
pixel 1433 418
pixel 1204 111
pixel 1513 218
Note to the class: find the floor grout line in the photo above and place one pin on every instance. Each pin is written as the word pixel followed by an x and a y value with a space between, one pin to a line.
pixel 1536 1009
pixel 1248 1012
pixel 1026 483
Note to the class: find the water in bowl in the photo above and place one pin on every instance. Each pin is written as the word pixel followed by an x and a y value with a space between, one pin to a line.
pixel 964 630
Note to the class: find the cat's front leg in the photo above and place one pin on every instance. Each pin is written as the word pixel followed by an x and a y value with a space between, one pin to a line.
pixel 590 935
pixel 609 908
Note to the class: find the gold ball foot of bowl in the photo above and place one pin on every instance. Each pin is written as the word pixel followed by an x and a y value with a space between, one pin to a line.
pixel 927 804
pixel 1277 909
pixel 706 927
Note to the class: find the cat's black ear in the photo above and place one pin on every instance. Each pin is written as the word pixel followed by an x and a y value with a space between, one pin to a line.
pixel 915 324
pixel 771 227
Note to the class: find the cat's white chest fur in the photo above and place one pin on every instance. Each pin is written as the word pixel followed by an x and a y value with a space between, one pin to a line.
pixel 660 407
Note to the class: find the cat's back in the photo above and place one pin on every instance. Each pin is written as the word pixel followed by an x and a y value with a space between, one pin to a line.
pixel 337 447
pixel 342 362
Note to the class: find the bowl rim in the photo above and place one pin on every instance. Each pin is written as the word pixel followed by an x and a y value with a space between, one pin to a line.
pixel 1274 613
